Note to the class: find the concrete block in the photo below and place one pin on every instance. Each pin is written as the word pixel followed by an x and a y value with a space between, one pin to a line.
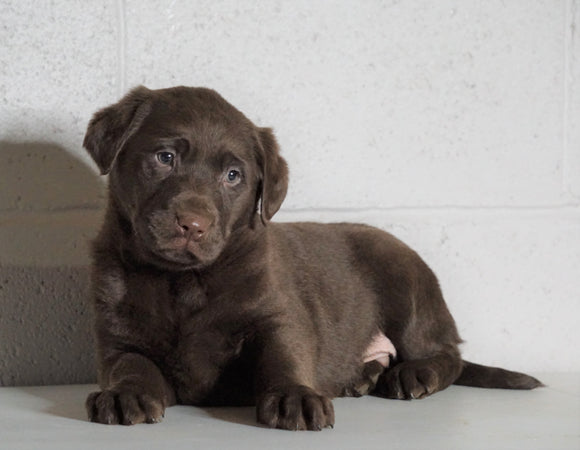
pixel 39 176
pixel 46 314
pixel 46 326
pixel 512 283
pixel 58 64
pixel 378 105
pixel 47 239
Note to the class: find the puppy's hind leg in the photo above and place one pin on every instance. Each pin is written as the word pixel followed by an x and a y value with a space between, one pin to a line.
pixel 427 345
pixel 429 358
pixel 367 381
pixel 380 354
pixel 418 378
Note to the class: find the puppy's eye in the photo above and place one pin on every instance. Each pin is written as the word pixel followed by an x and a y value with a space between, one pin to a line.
pixel 166 158
pixel 233 176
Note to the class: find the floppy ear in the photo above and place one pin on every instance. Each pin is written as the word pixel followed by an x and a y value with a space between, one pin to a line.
pixel 111 127
pixel 274 174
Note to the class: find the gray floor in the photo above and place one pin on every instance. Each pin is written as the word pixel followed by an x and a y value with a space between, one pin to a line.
pixel 458 418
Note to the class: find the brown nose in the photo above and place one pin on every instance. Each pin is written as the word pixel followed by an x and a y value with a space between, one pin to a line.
pixel 193 225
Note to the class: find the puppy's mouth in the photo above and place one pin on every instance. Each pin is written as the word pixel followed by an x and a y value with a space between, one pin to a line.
pixel 168 247
pixel 181 245
pixel 186 252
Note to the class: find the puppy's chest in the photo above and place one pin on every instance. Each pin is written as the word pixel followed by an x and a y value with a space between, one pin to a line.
pixel 167 318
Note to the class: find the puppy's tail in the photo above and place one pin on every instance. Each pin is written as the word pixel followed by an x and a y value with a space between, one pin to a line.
pixel 476 375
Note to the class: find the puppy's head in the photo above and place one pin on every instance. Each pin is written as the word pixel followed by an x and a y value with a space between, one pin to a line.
pixel 187 170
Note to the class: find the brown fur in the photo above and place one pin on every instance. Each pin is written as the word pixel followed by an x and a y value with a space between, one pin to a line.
pixel 201 300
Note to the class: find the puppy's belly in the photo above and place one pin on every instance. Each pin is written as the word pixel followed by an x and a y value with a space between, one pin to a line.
pixel 380 349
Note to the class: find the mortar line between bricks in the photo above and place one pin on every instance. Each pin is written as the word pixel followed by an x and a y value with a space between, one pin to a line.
pixel 568 6
pixel 572 209
pixel 446 207
pixel 89 214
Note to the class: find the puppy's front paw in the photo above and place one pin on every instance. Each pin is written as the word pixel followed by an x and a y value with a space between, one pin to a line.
pixel 126 408
pixel 295 408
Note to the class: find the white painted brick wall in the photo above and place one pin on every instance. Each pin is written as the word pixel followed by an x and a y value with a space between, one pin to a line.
pixel 454 124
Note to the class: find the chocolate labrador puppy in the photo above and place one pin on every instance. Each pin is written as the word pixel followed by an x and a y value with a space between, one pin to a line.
pixel 201 300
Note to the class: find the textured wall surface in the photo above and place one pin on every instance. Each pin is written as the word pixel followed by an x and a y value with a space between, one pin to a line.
pixel 454 124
